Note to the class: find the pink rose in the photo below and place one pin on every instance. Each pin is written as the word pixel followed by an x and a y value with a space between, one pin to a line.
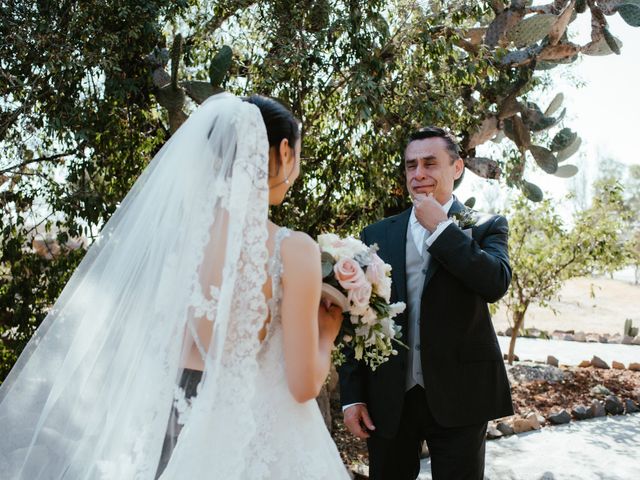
pixel 360 296
pixel 349 274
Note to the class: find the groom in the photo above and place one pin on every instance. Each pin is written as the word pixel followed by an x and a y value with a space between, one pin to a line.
pixel 452 379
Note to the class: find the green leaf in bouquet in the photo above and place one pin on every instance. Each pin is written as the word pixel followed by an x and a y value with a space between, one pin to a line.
pixel 327 264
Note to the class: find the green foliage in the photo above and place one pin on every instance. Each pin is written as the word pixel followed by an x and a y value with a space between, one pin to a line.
pixel 544 252
pixel 90 91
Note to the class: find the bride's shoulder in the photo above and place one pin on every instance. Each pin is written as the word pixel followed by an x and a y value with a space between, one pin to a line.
pixel 300 247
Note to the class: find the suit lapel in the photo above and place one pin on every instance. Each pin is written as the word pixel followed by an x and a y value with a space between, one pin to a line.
pixel 397 241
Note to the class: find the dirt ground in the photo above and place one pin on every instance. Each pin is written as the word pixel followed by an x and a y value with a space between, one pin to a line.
pixel 539 396
pixel 613 301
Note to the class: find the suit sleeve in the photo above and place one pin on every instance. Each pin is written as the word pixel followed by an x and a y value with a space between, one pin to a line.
pixel 352 373
pixel 482 267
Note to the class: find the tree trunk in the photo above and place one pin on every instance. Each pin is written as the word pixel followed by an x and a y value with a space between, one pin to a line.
pixel 518 320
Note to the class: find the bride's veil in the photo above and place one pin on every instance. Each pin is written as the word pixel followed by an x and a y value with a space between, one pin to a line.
pixel 185 253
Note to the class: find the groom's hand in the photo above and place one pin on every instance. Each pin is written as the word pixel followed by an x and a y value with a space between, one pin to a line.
pixel 428 211
pixel 358 421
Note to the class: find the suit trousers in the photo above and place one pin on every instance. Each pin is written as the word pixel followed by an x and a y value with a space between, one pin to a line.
pixel 456 453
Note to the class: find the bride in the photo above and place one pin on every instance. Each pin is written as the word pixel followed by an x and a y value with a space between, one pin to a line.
pixel 189 343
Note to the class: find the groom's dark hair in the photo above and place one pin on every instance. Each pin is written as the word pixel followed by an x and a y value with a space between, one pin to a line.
pixel 431 132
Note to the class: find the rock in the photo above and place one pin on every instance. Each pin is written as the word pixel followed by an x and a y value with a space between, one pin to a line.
pixel 568 338
pixel 508 332
pixel 505 428
pixel 596 409
pixel 521 425
pixel 636 340
pixel 560 417
pixel 557 335
pixel 599 363
pixel 360 471
pixel 630 406
pixel 634 366
pixel 530 371
pixel 585 364
pixel 603 338
pixel 551 360
pixel 613 405
pixel 600 390
pixel 617 338
pixel 500 333
pixel 515 357
pixel 617 365
pixel 627 340
pixel 493 432
pixel 593 337
pixel 580 412
pixel 580 337
pixel 535 420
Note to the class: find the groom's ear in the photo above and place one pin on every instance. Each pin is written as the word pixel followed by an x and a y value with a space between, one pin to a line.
pixel 459 166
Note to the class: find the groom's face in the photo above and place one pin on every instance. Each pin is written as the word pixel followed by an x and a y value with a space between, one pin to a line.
pixel 429 168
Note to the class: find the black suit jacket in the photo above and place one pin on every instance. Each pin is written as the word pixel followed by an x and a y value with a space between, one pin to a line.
pixel 464 374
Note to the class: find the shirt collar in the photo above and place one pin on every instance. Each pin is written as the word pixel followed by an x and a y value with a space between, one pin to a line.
pixel 446 207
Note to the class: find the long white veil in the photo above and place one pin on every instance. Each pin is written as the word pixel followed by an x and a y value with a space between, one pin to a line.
pixel 185 253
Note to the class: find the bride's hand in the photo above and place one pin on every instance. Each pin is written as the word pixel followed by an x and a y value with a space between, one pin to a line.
pixel 329 320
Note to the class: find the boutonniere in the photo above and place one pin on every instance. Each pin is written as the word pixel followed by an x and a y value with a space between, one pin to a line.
pixel 464 219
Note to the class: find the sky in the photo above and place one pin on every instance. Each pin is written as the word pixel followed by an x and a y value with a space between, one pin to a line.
pixel 604 111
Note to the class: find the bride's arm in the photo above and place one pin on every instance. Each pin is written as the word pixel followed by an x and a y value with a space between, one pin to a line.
pixel 309 330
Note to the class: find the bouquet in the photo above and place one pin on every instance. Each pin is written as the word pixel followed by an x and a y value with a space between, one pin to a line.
pixel 356 279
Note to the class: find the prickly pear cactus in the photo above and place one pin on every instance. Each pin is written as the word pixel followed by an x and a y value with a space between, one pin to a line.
pixel 630 13
pixel 563 139
pixel 555 104
pixel 570 150
pixel 531 29
pixel 531 191
pixel 220 66
pixel 601 47
pixel 566 171
pixel 544 158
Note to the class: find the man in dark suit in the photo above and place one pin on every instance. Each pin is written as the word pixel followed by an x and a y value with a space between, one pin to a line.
pixel 451 380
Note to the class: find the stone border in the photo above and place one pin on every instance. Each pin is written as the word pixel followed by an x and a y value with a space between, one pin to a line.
pixel 573 336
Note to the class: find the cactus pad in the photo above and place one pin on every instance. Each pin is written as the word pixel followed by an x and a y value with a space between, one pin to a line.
pixel 531 191
pixel 555 104
pixel 630 13
pixel 220 65
pixel 600 47
pixel 566 171
pixel 563 139
pixel 570 150
pixel 531 29
pixel 544 158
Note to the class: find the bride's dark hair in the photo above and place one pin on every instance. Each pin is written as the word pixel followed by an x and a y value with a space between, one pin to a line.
pixel 280 122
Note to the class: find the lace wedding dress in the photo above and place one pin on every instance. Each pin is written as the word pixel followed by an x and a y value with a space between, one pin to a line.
pixel 181 264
